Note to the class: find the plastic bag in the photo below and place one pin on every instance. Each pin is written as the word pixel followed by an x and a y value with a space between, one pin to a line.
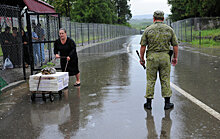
pixel 8 64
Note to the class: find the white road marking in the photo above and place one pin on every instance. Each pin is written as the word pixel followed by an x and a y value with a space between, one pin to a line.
pixel 196 101
pixel 190 97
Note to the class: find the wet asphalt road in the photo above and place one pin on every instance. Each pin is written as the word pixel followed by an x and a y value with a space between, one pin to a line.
pixel 109 103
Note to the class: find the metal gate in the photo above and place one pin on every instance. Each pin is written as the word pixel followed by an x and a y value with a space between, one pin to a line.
pixel 42 29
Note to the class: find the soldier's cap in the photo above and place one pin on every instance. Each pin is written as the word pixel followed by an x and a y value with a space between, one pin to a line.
pixel 159 14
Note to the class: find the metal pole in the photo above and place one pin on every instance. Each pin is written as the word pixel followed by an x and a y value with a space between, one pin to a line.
pixel 82 33
pixel 48 36
pixel 185 31
pixel 75 32
pixel 88 33
pixel 200 33
pixel 93 33
pixel 101 33
pixel 191 29
pixel 20 26
pixel 200 37
pixel 31 56
pixel 97 32
pixel 69 19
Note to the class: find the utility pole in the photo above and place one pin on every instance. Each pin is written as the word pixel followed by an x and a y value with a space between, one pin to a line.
pixel 69 17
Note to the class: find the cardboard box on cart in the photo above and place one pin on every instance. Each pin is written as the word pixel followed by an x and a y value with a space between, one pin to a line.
pixel 51 82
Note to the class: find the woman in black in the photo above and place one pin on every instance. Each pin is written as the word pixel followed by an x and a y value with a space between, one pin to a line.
pixel 67 49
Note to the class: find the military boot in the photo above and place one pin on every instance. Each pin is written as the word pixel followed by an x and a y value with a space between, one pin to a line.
pixel 168 105
pixel 147 105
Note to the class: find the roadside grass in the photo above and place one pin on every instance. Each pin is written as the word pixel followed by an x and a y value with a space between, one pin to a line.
pixel 206 43
pixel 207 38
pixel 207 33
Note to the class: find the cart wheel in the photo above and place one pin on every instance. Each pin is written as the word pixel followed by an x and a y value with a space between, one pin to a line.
pixel 44 97
pixel 33 96
pixel 51 97
pixel 60 93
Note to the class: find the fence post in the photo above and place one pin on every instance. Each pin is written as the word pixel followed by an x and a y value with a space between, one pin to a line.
pixel 88 33
pixel 200 37
pixel 185 31
pixel 101 32
pixel 20 34
pixel 107 31
pixel 200 33
pixel 191 29
pixel 82 33
pixel 75 25
pixel 48 35
pixel 30 41
pixel 93 32
pixel 70 27
pixel 97 32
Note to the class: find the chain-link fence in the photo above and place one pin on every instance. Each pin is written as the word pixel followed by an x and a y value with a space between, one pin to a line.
pixel 11 52
pixel 86 33
pixel 197 30
pixel 10 37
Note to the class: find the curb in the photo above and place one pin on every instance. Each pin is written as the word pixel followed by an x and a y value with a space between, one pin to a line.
pixel 12 85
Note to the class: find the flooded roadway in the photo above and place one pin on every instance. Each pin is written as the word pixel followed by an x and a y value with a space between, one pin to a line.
pixel 109 103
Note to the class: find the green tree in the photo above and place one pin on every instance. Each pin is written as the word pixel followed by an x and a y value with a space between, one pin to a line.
pixel 96 11
pixel 123 11
pixel 178 9
pixel 182 9
pixel 101 11
pixel 61 6
pixel 208 8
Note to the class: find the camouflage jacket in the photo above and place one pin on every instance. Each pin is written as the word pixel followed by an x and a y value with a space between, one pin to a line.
pixel 158 37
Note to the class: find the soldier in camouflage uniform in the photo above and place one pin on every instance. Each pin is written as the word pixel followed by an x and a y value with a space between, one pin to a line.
pixel 158 37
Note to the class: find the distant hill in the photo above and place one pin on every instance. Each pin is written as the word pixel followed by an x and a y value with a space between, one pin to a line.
pixel 140 22
pixel 145 16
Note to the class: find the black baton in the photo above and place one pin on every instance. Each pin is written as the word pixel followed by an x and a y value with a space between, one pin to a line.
pixel 140 59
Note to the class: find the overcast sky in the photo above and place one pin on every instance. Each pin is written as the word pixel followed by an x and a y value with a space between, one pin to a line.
pixel 141 7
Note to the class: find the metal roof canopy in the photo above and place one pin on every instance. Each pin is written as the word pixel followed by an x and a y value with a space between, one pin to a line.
pixel 37 6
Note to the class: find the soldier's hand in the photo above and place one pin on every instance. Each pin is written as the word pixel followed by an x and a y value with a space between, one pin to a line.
pixel 142 62
pixel 174 61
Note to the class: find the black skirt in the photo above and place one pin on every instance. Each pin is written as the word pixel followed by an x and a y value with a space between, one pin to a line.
pixel 71 66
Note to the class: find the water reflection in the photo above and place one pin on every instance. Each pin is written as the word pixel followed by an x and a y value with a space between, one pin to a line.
pixel 150 125
pixel 165 128
pixel 59 119
pixel 71 126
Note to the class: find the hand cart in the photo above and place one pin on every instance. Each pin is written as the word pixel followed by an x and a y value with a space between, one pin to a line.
pixel 48 85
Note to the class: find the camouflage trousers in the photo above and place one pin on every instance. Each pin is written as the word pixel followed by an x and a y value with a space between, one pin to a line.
pixel 158 62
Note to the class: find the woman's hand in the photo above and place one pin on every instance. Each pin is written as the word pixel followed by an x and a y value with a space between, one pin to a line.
pixel 57 56
pixel 68 58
